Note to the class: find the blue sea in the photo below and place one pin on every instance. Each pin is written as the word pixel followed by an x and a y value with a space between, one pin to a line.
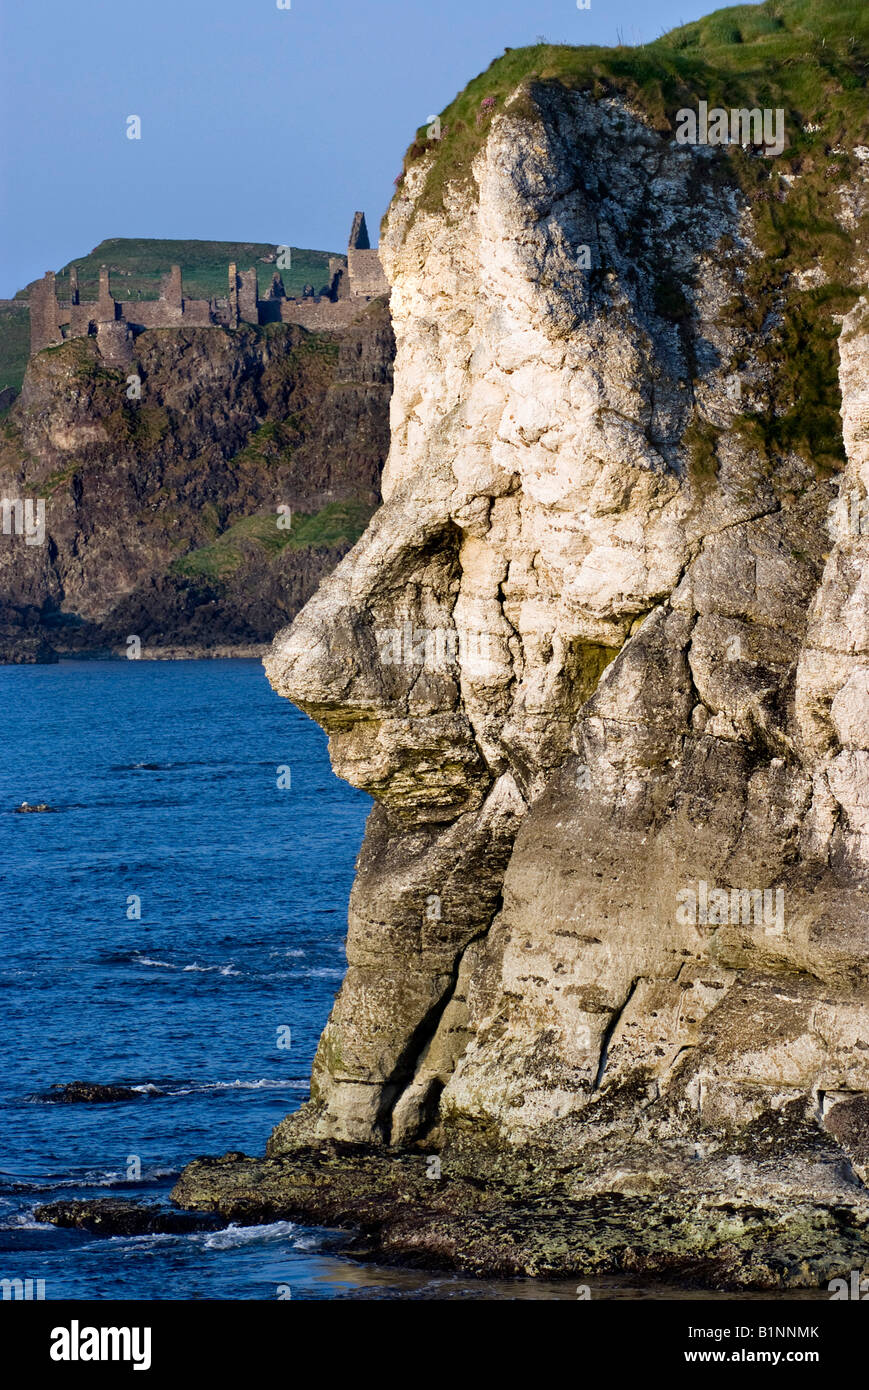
pixel 177 918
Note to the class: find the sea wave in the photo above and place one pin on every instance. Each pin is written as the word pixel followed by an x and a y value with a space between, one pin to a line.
pixel 196 965
pixel 233 1236
pixel 25 1221
pixel 88 1180
pixel 263 1084
pixel 169 1089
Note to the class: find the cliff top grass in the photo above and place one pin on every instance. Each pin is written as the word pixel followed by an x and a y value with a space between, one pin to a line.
pixel 810 57
pixel 807 57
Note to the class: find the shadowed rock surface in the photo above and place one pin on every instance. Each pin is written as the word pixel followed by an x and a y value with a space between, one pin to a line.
pixel 115 1216
pixel 91 1092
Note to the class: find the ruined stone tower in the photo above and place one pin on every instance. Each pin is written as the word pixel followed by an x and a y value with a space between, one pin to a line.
pixel 363 265
pixel 44 314
pixel 359 234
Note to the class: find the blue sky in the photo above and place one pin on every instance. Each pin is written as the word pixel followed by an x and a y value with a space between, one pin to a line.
pixel 258 123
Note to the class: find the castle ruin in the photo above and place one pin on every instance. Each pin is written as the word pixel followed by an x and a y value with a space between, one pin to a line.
pixel 115 323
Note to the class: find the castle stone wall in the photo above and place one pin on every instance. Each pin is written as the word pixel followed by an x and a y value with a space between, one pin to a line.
pixel 199 313
pixel 359 279
pixel 153 313
pixel 248 297
pixel 44 314
pixel 359 234
pixel 319 314
pixel 81 320
pixel 115 342
pixel 171 290
pixel 107 308
pixel 366 273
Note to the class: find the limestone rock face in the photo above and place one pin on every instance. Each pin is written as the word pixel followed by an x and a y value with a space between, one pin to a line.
pixel 611 698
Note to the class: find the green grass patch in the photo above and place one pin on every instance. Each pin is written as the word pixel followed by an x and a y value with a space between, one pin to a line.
pixel 270 444
pixel 701 441
pixel 79 355
pixel 56 480
pixel 803 412
pixel 14 343
pixel 337 524
pixel 140 425
pixel 313 360
pixel 807 56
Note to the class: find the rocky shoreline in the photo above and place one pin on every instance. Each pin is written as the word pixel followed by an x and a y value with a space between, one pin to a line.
pixel 707 1220
pixel 530 1222
pixel 115 1216
pixel 779 1207
pixel 48 656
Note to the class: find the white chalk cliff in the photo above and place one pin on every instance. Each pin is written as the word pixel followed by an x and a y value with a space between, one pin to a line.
pixel 612 895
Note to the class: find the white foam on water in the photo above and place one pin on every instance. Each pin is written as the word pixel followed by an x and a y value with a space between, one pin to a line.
pixel 234 1236
pixel 195 965
pixel 263 1084
pixel 24 1221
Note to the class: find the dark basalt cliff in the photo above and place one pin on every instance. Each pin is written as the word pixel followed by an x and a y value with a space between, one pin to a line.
pixel 162 512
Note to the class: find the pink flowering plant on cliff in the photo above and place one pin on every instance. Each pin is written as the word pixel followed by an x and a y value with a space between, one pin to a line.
pixel 487 106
